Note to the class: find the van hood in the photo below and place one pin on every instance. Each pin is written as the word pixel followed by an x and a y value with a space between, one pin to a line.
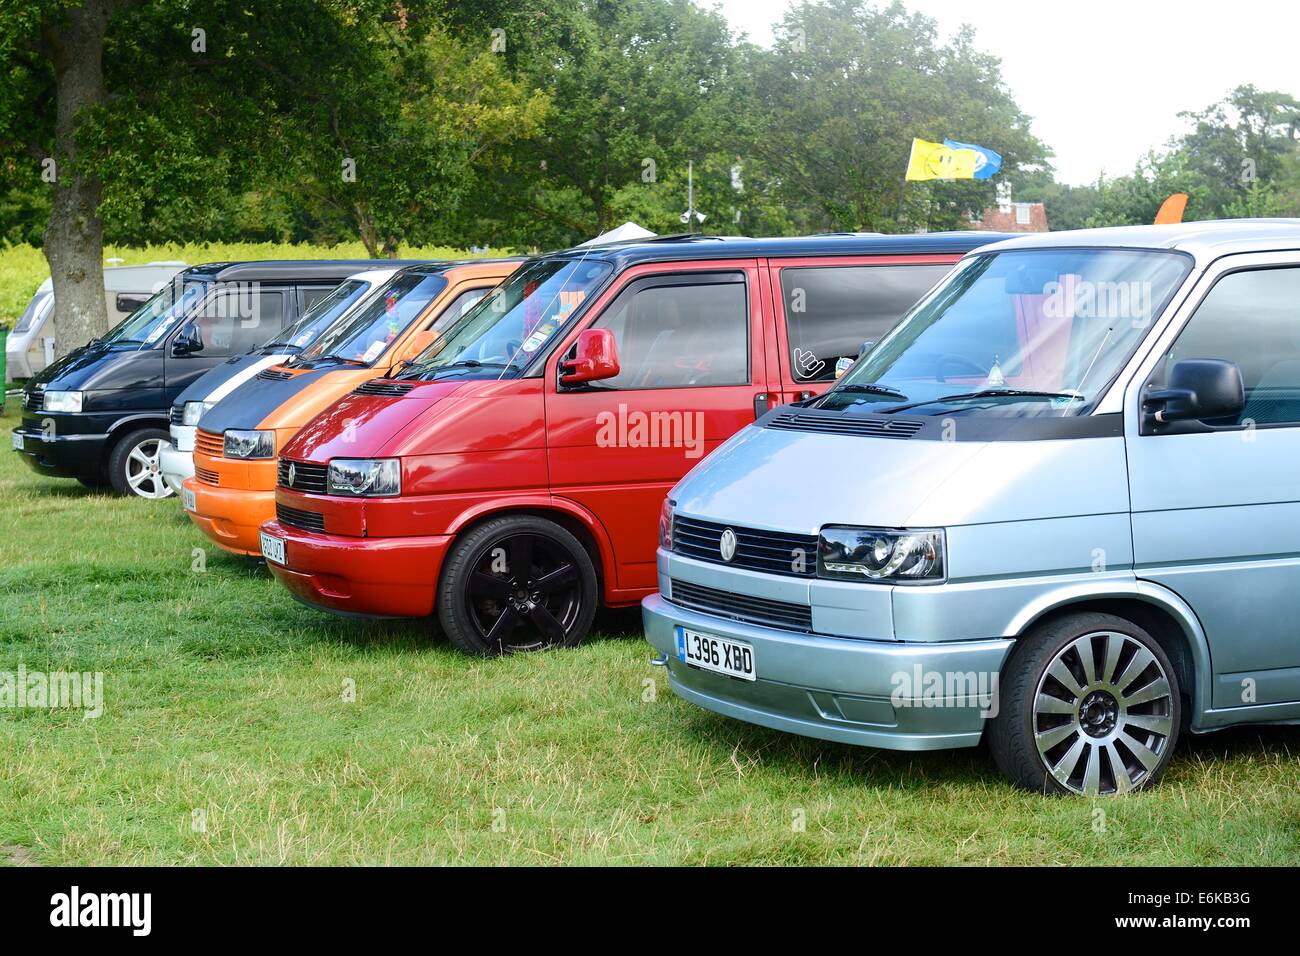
pixel 796 481
pixel 248 405
pixel 218 382
pixel 361 426
pixel 91 367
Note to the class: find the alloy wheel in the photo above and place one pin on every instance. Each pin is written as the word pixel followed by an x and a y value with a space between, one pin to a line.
pixel 144 470
pixel 1103 714
pixel 524 593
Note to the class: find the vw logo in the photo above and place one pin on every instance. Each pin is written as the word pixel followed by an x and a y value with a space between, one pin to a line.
pixel 727 545
pixel 293 473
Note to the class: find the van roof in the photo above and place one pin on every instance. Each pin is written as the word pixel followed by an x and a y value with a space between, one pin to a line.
pixel 674 248
pixel 1205 241
pixel 287 269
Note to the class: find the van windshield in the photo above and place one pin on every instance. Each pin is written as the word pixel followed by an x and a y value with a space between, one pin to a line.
pixel 153 320
pixel 364 336
pixel 499 336
pixel 319 317
pixel 1019 333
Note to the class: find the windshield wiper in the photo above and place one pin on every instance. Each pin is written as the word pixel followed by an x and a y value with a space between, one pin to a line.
pixel 872 389
pixel 459 363
pixel 985 393
pixel 337 358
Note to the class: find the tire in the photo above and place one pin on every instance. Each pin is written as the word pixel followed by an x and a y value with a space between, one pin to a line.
pixel 133 464
pixel 1062 728
pixel 486 609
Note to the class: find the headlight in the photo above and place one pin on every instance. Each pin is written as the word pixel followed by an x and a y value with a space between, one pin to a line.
pixel 369 477
pixel 241 444
pixel 880 554
pixel 666 525
pixel 62 401
pixel 194 411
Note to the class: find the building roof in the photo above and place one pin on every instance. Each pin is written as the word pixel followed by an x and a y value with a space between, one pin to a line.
pixel 1204 240
pixel 679 248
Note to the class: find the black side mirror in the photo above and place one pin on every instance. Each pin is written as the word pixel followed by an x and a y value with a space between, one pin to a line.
pixel 187 341
pixel 1197 389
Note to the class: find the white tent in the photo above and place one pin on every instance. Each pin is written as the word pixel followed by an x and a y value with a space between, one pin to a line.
pixel 623 233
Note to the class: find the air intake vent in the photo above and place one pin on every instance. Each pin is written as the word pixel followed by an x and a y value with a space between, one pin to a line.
pixel 272 375
pixel 297 518
pixel 840 423
pixel 742 607
pixel 34 401
pixel 178 415
pixel 383 386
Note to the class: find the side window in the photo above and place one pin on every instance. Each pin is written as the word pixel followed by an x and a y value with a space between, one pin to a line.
pixel 459 306
pixel 680 336
pixel 311 294
pixel 831 310
pixel 1253 319
pixel 235 321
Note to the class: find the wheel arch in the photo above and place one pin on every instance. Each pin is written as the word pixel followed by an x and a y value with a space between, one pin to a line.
pixel 1156 609
pixel 578 521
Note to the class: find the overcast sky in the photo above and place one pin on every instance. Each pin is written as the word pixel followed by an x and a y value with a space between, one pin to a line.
pixel 1104 80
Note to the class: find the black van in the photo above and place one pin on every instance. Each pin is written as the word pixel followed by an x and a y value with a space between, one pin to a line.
pixel 99 414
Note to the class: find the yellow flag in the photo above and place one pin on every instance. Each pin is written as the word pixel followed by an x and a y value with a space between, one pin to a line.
pixel 937 161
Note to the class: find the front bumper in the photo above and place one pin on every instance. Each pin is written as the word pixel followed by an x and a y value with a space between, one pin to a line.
pixel 848 690
pixel 379 577
pixel 57 454
pixel 176 466
pixel 230 516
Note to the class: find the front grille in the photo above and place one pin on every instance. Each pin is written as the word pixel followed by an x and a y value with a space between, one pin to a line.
pixel 306 476
pixel 207 477
pixel 34 401
pixel 206 443
pixel 742 607
pixel 296 518
pixel 271 375
pixel 838 423
pixel 178 414
pixel 777 552
pixel 380 386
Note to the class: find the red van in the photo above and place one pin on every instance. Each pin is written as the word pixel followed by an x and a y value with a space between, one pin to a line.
pixel 511 477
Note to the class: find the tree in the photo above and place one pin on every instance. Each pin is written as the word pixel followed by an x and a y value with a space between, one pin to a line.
pixel 843 92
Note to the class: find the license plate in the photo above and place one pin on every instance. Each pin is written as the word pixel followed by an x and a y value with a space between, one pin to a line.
pixel 713 653
pixel 188 498
pixel 18 442
pixel 272 547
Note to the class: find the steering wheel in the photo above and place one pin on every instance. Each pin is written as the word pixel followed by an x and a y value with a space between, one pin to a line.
pixel 952 358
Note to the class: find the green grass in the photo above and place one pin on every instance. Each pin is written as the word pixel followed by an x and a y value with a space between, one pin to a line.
pixel 223 695
pixel 23 267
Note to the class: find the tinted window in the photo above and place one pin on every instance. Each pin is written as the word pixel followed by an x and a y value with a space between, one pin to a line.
pixel 1253 319
pixel 34 308
pixel 462 304
pixel 830 311
pixel 327 310
pixel 679 336
pixel 237 320
pixel 311 294
pixel 367 333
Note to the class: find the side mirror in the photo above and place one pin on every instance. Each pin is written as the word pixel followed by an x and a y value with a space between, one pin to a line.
pixel 187 341
pixel 593 357
pixel 1197 389
pixel 128 303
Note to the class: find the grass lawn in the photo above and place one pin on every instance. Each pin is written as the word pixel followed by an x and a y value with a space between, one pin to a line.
pixel 226 739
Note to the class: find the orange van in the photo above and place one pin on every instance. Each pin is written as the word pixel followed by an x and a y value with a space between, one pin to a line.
pixel 233 489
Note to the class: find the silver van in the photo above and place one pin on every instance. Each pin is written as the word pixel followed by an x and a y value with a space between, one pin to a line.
pixel 1057 507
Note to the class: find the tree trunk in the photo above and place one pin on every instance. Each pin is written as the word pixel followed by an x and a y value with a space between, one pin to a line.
pixel 366 229
pixel 74 237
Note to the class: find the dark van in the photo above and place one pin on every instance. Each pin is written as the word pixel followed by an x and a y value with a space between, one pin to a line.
pixel 100 413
